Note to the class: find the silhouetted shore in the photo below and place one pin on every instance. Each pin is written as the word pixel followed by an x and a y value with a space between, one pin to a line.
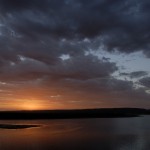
pixel 70 114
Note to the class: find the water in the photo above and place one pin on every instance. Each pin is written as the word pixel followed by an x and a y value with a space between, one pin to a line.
pixel 79 134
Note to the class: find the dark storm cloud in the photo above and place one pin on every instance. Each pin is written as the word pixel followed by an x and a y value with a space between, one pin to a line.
pixel 80 67
pixel 135 74
pixel 17 5
pixel 84 67
pixel 101 85
pixel 138 74
pixel 44 30
pixel 145 81
pixel 26 69
pixel 118 25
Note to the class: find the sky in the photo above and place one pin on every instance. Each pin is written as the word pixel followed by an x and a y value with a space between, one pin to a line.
pixel 74 54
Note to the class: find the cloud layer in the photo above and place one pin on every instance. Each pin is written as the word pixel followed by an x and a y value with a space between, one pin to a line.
pixel 45 44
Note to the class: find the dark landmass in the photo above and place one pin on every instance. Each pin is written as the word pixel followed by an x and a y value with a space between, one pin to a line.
pixel 70 114
pixel 16 126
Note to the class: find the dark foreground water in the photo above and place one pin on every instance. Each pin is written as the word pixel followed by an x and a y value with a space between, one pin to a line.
pixel 78 134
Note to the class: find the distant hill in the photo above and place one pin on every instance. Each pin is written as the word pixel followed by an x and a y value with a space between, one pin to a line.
pixel 79 113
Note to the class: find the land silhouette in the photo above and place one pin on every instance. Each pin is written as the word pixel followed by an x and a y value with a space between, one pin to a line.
pixel 76 113
pixel 17 126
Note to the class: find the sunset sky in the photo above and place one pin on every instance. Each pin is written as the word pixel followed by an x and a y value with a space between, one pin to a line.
pixel 73 54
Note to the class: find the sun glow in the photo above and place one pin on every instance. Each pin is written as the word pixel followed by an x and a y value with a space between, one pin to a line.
pixel 31 105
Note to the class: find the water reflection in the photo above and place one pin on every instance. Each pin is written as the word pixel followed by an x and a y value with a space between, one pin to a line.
pixel 89 134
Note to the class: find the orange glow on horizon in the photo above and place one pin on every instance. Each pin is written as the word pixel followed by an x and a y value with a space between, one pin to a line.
pixel 30 105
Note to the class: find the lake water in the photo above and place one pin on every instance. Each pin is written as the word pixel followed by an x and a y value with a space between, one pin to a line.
pixel 79 134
